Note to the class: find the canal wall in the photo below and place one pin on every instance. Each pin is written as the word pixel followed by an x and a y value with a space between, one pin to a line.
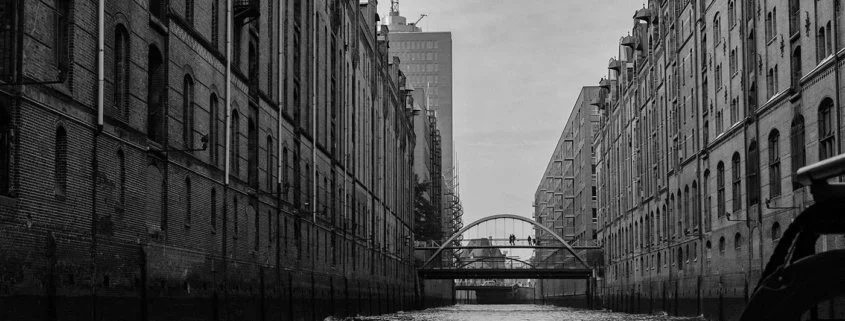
pixel 719 297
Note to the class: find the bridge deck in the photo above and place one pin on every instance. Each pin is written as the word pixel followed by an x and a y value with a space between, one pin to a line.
pixel 443 274
pixel 484 288
pixel 468 247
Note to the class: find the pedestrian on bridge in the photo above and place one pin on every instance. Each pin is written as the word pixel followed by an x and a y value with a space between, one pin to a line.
pixel 512 239
pixel 529 240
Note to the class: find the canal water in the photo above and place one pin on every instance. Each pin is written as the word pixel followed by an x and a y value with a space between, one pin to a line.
pixel 523 312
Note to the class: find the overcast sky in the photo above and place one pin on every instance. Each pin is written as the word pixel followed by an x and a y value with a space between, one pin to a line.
pixel 518 68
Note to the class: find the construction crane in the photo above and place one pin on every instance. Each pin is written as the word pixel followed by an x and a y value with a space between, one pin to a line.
pixel 420 19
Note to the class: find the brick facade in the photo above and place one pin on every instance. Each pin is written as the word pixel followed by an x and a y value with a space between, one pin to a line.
pixel 148 230
pixel 697 87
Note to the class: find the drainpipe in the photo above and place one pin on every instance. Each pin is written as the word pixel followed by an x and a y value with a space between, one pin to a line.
pixel 836 5
pixel 313 75
pixel 279 146
pixel 228 94
pixel 698 195
pixel 94 162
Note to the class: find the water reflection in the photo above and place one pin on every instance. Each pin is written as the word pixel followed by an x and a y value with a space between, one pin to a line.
pixel 525 312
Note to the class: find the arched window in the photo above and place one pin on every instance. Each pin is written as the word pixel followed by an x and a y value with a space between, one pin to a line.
pixel 213 130
pixel 722 245
pixel 61 37
pixel 720 188
pixel 270 163
pixel 235 129
pixel 731 13
pixel 285 169
pixel 752 166
pixel 821 51
pixel 121 73
pixel 796 67
pixel 775 231
pixel 188 202
pixel 798 152
pixel 256 228
pixel 717 30
pixel 696 205
pixel 770 82
pixel 769 26
pixel 5 150
pixel 215 23
pixel 794 17
pixel 157 8
pixel 708 201
pixel 709 250
pixel 736 188
pixel 60 162
pixel 774 163
pixel 155 94
pixel 188 112
pixel 738 243
pixel 687 212
pixel 235 218
pixel 189 11
pixel 680 258
pixel 213 210
pixel 252 151
pixel 121 179
pixel 827 130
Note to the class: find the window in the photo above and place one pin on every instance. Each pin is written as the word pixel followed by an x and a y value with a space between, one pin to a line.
pixel 769 26
pixel 738 243
pixel 752 166
pixel 121 179
pixel 796 67
pixel 731 14
pixel 157 8
pixel 189 11
pixel 155 94
pixel 734 111
pixel 722 245
pixel 794 17
pixel 269 165
pixel 798 152
pixel 257 228
pixel 60 162
pixel 720 189
pixel 188 200
pixel 736 189
pixel 5 149
pixel 213 210
pixel 61 39
pixel 705 190
pixel 235 218
pixel 821 50
pixel 718 76
pixel 733 62
pixel 285 169
pixel 774 163
pixel 235 129
pixel 188 112
pixel 214 124
pixel 696 205
pixel 827 133
pixel 121 73
pixel 775 231
pixel 717 30
pixel 215 24
pixel 770 82
pixel 252 150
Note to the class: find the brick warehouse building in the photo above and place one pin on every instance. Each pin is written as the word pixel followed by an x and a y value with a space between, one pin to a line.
pixel 709 109
pixel 299 206
pixel 566 198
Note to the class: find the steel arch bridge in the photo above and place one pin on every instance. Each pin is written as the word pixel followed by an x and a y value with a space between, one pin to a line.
pixel 576 268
